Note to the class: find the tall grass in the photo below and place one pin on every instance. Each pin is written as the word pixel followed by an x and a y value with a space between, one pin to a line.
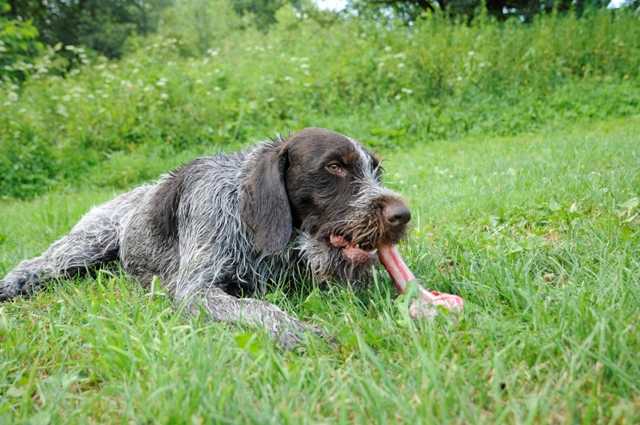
pixel 540 234
pixel 430 81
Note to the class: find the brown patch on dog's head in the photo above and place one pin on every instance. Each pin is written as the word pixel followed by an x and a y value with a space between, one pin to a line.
pixel 334 185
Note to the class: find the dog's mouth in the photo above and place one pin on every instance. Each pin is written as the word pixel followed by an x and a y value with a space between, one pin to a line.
pixel 356 253
pixel 356 241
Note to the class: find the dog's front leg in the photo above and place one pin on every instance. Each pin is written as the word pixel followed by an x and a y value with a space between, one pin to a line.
pixel 222 307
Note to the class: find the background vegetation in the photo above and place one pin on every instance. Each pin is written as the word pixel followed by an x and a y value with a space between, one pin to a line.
pixel 514 136
pixel 209 78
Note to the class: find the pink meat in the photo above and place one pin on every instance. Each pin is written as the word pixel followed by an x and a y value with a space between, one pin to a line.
pixel 350 250
pixel 401 275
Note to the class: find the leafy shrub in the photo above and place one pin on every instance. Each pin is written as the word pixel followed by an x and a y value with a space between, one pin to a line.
pixel 198 25
pixel 18 45
pixel 26 168
pixel 390 86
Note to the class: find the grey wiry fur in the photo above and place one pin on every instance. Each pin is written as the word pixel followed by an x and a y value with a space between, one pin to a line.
pixel 212 230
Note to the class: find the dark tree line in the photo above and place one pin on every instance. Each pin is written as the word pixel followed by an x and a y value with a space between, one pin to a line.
pixel 500 9
pixel 105 25
pixel 102 25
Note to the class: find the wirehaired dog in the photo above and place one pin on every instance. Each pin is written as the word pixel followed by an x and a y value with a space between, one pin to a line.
pixel 223 227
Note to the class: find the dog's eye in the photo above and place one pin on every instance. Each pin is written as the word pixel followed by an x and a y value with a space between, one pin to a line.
pixel 337 169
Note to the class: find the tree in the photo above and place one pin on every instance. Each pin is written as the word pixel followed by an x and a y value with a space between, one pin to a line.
pixel 263 11
pixel 409 10
pixel 100 25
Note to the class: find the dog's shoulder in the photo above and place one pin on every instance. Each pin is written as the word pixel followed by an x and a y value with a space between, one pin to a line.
pixel 186 184
pixel 168 193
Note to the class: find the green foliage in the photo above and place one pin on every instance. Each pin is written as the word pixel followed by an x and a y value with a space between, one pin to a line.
pixel 18 45
pixel 263 11
pixel 197 25
pixel 390 86
pixel 27 167
pixel 103 26
pixel 540 234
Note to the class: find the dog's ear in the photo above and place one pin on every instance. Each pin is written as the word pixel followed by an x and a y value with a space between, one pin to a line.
pixel 264 203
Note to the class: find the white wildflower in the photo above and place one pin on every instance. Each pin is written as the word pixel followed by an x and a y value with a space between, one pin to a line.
pixel 60 109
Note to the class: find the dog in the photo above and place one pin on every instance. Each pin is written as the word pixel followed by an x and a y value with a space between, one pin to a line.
pixel 220 229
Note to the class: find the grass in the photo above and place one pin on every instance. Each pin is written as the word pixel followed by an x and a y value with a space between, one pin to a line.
pixel 540 233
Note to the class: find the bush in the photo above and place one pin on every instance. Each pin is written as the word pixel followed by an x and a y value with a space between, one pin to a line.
pixel 198 25
pixel 18 45
pixel 27 168
pixel 388 85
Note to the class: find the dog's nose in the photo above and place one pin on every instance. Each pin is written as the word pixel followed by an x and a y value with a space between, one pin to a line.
pixel 396 213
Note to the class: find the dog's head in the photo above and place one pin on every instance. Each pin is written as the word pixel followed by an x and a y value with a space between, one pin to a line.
pixel 322 192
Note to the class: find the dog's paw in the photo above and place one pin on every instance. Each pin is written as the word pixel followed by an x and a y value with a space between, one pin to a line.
pixel 16 284
pixel 289 339
pixel 292 336
pixel 7 290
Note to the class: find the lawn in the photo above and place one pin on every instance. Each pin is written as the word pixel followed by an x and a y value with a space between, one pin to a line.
pixel 540 233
